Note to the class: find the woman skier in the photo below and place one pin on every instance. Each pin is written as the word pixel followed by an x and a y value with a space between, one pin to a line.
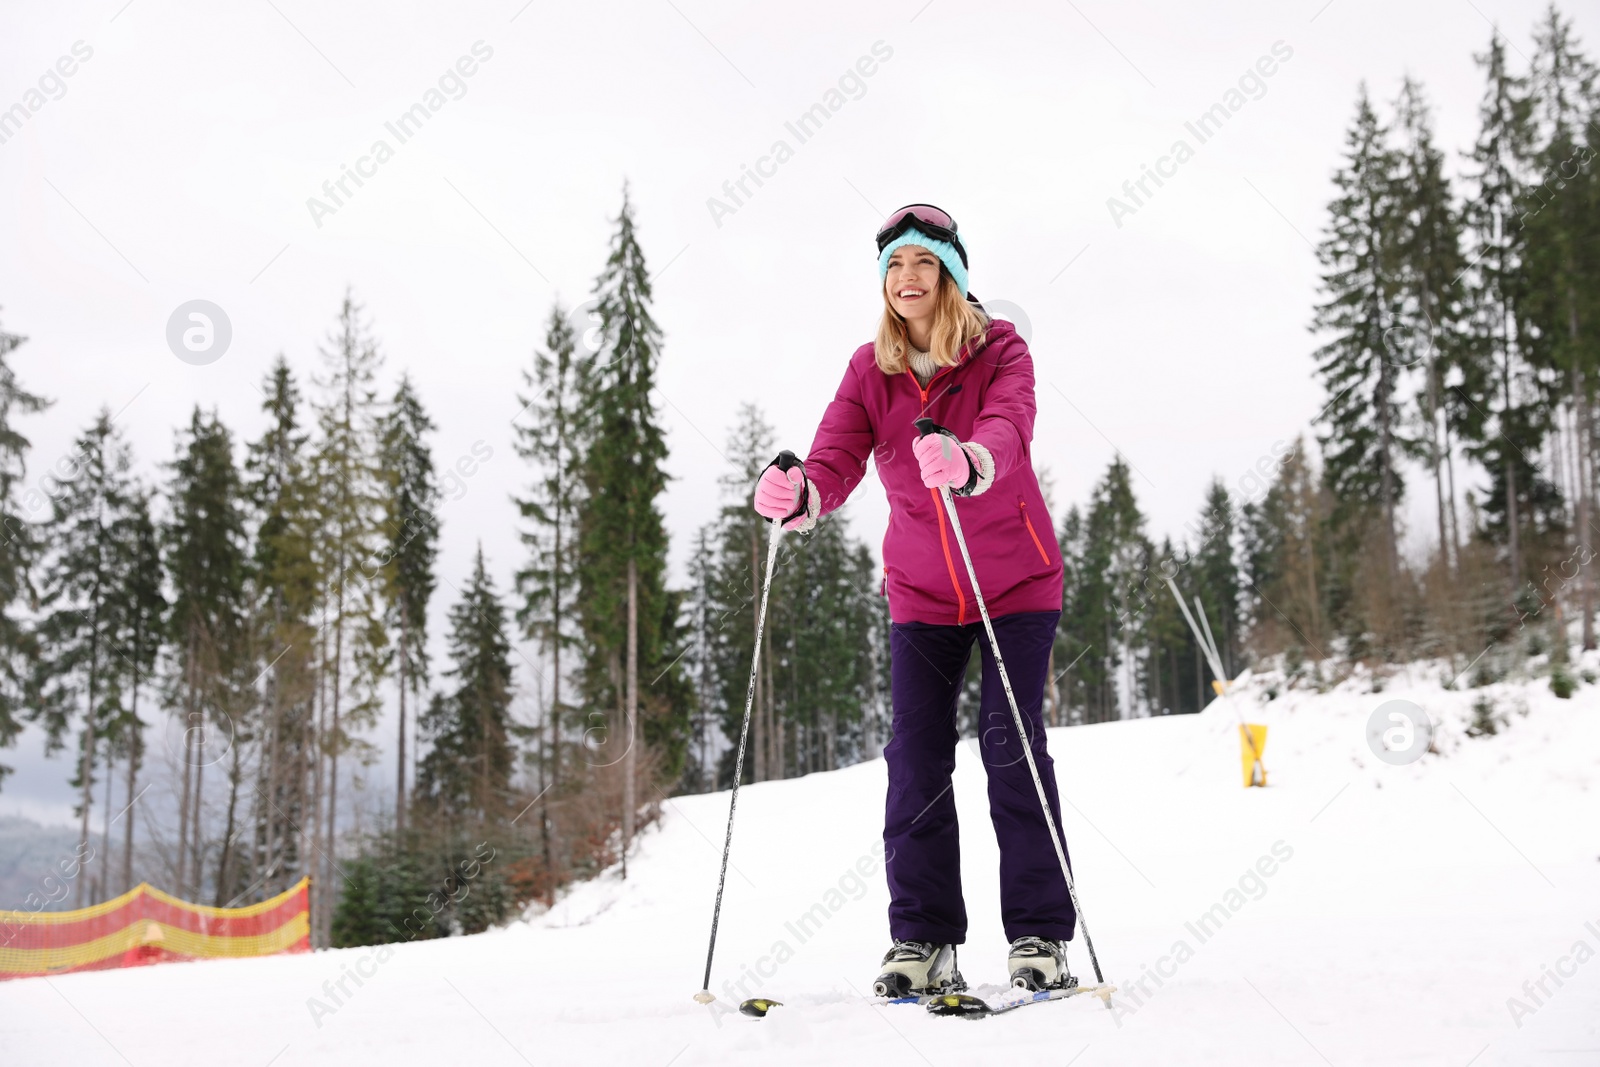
pixel 939 355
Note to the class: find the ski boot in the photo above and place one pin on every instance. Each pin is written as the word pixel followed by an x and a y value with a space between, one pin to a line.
pixel 918 968
pixel 1037 963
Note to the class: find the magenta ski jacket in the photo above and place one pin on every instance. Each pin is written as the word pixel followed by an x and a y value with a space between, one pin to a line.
pixel 986 398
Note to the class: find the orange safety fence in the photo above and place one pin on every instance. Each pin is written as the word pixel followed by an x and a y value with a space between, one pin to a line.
pixel 145 925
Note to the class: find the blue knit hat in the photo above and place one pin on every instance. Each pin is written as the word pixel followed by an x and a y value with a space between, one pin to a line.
pixel 943 249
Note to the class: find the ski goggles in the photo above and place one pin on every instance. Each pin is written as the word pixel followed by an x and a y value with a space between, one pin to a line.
pixel 934 222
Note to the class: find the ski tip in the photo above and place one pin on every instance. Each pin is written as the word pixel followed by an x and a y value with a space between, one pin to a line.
pixel 959 1004
pixel 757 1007
pixel 705 996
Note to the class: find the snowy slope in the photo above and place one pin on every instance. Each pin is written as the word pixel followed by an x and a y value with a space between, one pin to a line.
pixel 1405 905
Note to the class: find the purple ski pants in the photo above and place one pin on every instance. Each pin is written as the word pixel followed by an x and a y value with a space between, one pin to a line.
pixel 922 847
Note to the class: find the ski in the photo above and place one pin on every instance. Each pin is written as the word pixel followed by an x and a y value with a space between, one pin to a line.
pixel 757 1007
pixel 922 999
pixel 966 1006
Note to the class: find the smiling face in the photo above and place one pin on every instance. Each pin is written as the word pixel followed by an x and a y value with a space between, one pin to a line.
pixel 912 282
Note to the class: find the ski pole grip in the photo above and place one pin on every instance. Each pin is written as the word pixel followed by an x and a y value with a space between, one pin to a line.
pixel 925 426
pixel 786 462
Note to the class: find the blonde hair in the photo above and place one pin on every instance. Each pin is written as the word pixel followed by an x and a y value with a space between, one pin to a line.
pixel 956 321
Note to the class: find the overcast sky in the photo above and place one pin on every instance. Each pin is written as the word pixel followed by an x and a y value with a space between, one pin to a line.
pixel 178 160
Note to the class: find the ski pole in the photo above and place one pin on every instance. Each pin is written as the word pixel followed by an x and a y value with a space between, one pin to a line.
pixel 927 426
pixel 784 462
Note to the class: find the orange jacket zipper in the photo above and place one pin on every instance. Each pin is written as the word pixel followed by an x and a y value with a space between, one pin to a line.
pixel 944 543
pixel 922 390
pixel 1023 504
pixel 938 507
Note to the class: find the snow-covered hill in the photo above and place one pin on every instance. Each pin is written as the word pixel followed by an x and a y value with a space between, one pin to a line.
pixel 1352 912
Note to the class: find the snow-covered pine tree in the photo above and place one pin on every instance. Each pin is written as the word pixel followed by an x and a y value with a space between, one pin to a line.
pixel 1288 560
pixel 1216 575
pixel 1429 264
pixel 83 627
pixel 1074 636
pixel 622 538
pixel 703 622
pixel 466 774
pixel 1364 439
pixel 1108 598
pixel 18 544
pixel 350 496
pixel 548 435
pixel 1561 210
pixel 143 609
pixel 741 552
pixel 1365 435
pixel 205 552
pixel 285 592
pixel 1499 406
pixel 1168 685
pixel 411 544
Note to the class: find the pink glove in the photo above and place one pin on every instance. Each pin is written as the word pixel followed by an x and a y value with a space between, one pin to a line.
pixel 779 494
pixel 944 461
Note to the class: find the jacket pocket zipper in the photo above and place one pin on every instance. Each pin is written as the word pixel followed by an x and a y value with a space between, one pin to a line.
pixel 1022 505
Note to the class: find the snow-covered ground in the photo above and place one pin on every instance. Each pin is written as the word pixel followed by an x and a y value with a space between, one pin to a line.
pixel 1361 913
